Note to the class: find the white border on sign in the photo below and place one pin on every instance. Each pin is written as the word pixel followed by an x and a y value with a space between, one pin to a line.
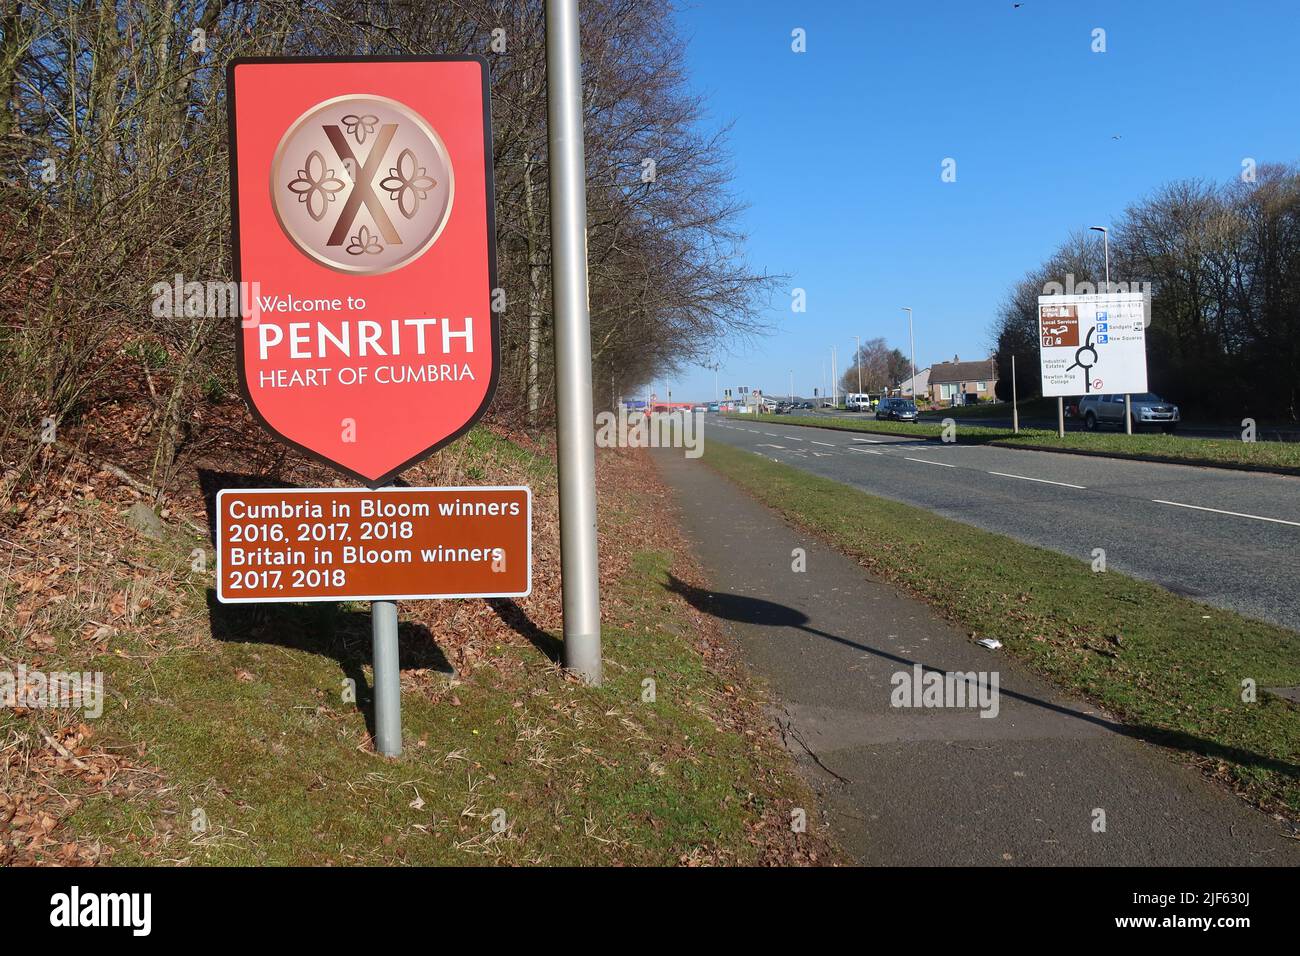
pixel 528 497
pixel 1125 370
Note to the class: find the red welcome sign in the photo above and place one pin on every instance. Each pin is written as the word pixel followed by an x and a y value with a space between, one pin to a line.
pixel 361 200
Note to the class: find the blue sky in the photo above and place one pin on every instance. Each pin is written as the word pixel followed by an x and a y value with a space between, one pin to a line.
pixel 838 150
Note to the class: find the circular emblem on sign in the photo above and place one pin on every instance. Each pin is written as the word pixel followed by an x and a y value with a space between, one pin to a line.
pixel 362 184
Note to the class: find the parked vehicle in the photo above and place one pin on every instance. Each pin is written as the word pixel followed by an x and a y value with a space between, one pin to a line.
pixel 857 402
pixel 714 406
pixel 1148 409
pixel 896 409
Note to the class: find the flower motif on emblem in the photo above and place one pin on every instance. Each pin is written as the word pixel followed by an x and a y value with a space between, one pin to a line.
pixel 316 185
pixel 363 243
pixel 359 127
pixel 407 184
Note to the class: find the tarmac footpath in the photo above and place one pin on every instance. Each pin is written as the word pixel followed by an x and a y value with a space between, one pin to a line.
pixel 1044 779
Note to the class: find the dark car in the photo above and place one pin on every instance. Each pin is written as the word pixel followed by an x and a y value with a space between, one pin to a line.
pixel 896 409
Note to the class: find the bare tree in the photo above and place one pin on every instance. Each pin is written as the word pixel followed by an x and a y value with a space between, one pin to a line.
pixel 112 146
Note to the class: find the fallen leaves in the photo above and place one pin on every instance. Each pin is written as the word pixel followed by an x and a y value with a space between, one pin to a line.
pixel 47 775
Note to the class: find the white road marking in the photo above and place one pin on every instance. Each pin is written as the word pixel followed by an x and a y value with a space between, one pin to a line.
pixel 873 441
pixel 1235 514
pixel 1045 481
pixel 794 437
pixel 764 444
pixel 926 461
pixel 825 443
pixel 866 451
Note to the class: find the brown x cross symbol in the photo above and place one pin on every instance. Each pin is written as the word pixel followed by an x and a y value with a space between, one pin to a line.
pixel 362 191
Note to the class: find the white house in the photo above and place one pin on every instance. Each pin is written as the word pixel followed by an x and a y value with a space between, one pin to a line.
pixel 918 387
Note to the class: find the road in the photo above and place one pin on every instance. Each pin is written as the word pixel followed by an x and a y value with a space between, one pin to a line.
pixel 903 786
pixel 1227 538
pixel 1185 429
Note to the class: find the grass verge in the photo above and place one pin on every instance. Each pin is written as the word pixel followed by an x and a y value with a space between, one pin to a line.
pixel 228 737
pixel 1282 457
pixel 515 765
pixel 1034 407
pixel 1171 668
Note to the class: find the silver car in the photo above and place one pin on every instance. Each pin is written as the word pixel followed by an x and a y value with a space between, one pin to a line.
pixel 1148 409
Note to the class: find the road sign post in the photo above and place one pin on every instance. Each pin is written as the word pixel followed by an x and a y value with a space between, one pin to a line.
pixel 1015 407
pixel 388 679
pixel 364 248
pixel 341 544
pixel 580 576
pixel 1093 344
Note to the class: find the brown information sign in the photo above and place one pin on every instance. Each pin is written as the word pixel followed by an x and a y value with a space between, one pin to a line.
pixel 1059 325
pixel 353 544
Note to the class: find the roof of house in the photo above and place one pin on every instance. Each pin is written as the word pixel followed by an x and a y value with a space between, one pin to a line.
pixel 922 378
pixel 980 371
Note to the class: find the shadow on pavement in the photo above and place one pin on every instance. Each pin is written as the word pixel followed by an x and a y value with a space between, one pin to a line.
pixel 743 609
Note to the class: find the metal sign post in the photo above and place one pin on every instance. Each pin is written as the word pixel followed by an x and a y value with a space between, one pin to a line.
pixel 318 239
pixel 388 681
pixel 580 581
pixel 1093 344
pixel 379 546
pixel 1015 407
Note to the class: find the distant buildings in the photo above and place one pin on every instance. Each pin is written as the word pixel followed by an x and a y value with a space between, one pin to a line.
pixel 958 382
pixel 917 387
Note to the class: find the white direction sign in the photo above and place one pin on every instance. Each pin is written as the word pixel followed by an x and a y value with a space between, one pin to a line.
pixel 1093 343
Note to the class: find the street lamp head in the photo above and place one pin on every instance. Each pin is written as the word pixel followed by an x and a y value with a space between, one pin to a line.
pixel 1097 228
